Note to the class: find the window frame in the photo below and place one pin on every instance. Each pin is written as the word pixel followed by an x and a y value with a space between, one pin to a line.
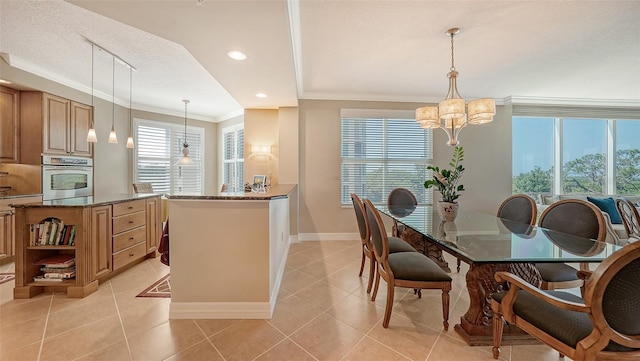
pixel 176 136
pixel 226 130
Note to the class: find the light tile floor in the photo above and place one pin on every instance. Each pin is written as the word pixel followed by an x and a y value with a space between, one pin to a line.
pixel 323 313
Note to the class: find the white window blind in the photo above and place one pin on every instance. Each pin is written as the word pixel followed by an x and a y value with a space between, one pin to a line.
pixel 159 147
pixel 382 153
pixel 233 160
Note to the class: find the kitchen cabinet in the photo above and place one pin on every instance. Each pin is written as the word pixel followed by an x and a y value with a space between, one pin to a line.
pixel 53 125
pixel 101 234
pixel 9 125
pixel 110 237
pixel 6 236
pixel 154 225
pixel 7 226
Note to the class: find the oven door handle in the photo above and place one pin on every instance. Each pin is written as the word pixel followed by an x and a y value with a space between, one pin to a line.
pixel 65 167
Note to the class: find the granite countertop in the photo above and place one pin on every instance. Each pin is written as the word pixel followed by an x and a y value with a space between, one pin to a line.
pixel 97 200
pixel 273 192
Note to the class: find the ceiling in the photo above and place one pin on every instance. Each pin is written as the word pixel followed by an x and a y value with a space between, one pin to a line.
pixel 580 52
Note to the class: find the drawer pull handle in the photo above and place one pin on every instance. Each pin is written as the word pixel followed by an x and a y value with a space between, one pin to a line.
pixel 131 255
pixel 130 207
pixel 130 237
pixel 130 222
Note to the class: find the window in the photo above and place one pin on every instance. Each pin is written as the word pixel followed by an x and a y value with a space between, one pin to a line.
pixel 575 155
pixel 233 160
pixel 383 152
pixel 159 147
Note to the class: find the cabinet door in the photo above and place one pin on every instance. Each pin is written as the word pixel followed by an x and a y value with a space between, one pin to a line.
pixel 81 119
pixel 9 125
pixel 6 234
pixel 101 239
pixel 56 124
pixel 154 224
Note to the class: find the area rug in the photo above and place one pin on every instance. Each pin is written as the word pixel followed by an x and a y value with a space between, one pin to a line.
pixel 160 288
pixel 6 277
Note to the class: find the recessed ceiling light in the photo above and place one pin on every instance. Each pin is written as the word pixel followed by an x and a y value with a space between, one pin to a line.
pixel 2 81
pixel 261 95
pixel 237 55
pixel 199 2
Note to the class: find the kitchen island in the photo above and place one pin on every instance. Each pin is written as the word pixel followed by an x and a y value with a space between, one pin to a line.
pixel 105 235
pixel 228 252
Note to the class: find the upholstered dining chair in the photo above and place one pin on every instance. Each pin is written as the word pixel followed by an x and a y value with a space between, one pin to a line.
pixel 571 216
pixel 519 208
pixel 630 218
pixel 395 244
pixel 401 202
pixel 603 325
pixel 403 269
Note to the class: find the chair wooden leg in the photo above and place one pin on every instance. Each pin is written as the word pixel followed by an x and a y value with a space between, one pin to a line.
pixel 445 309
pixel 362 262
pixel 498 328
pixel 372 272
pixel 458 265
pixel 375 287
pixel 389 305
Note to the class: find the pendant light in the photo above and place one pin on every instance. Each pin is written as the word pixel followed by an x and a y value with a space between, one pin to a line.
pixel 453 113
pixel 185 160
pixel 91 134
pixel 130 143
pixel 112 136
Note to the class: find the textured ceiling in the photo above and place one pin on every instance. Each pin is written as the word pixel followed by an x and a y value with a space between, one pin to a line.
pixel 576 51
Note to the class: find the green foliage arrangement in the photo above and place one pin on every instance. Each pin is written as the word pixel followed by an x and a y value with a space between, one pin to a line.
pixel 447 180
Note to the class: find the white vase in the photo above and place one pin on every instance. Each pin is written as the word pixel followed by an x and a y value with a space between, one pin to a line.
pixel 448 211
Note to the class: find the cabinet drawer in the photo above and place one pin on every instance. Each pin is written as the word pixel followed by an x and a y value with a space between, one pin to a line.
pixel 129 221
pixel 129 255
pixel 128 207
pixel 128 239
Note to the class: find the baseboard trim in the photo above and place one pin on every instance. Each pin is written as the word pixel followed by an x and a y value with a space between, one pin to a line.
pixel 328 237
pixel 219 310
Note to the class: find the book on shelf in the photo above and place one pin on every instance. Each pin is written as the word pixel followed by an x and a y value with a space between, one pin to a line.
pixel 62 276
pixel 51 233
pixel 58 261
pixel 43 279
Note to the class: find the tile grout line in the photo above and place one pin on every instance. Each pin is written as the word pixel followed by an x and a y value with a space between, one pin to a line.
pixel 46 323
pixel 208 339
pixel 115 301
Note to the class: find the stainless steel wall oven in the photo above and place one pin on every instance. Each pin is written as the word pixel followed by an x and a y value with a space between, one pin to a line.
pixel 66 177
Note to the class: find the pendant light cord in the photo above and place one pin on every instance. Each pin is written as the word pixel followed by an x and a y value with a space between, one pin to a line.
pixel 130 87
pixel 185 144
pixel 453 67
pixel 92 96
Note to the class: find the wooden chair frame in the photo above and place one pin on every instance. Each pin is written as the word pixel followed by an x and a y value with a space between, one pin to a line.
pixel 367 247
pixel 630 217
pixel 376 225
pixel 591 347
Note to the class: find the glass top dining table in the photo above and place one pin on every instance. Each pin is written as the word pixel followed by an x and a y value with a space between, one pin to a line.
pixel 483 238
pixel 490 244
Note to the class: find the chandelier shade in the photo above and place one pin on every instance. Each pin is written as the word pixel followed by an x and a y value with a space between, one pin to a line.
pixel 453 113
pixel 185 159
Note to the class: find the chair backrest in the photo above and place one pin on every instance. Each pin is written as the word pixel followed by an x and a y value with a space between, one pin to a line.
pixel 363 228
pixel 142 187
pixel 575 216
pixel 612 293
pixel 519 208
pixel 630 217
pixel 401 202
pixel 378 234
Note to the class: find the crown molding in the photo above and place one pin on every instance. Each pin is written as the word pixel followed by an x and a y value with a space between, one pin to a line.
pixel 572 101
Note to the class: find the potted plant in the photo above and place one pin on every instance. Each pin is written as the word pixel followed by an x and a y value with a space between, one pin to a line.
pixel 446 180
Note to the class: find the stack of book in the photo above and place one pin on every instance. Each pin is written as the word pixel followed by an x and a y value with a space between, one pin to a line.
pixel 57 268
pixel 52 233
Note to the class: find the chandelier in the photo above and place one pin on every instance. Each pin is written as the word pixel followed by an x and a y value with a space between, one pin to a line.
pixel 453 113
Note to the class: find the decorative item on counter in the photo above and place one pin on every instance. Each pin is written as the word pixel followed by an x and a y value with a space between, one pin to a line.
pixel 447 183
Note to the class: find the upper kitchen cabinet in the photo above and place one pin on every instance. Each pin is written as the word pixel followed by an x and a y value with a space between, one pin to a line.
pixel 53 125
pixel 9 125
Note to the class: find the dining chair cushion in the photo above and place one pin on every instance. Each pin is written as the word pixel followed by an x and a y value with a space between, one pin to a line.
pixel 399 245
pixel 415 266
pixel 569 327
pixel 557 272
